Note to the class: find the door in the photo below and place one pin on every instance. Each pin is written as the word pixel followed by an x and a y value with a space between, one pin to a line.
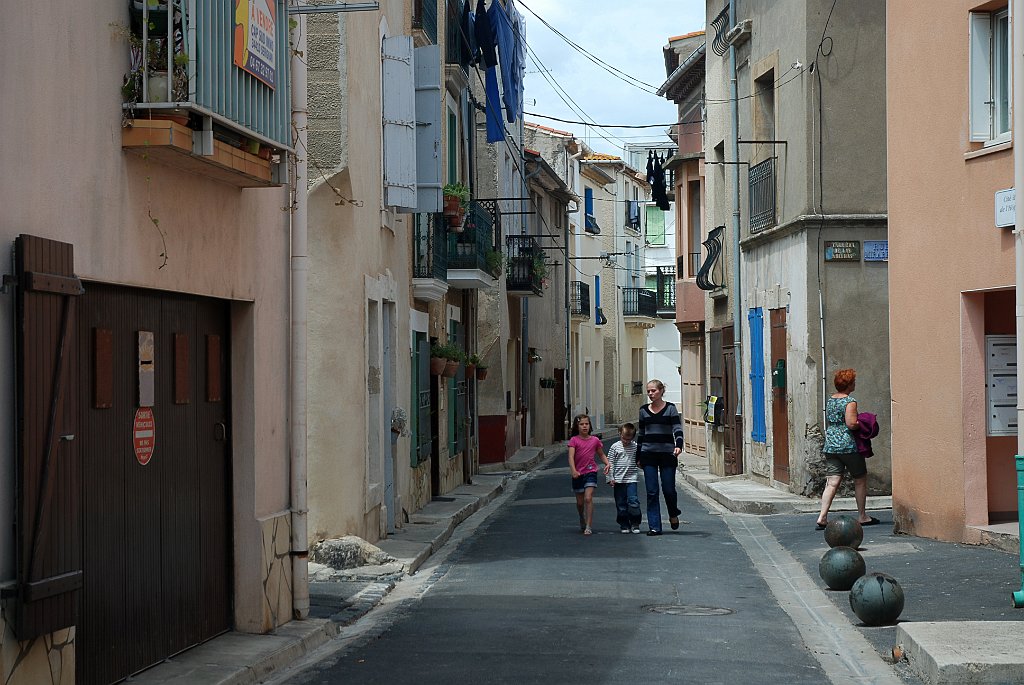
pixel 558 410
pixel 156 530
pixel 780 400
pixel 692 373
pixel 733 424
pixel 387 386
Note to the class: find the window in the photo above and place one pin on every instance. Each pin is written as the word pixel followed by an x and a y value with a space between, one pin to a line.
pixel 990 76
pixel 590 224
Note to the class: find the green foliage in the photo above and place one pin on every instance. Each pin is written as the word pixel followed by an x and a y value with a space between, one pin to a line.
pixel 448 351
pixel 457 190
pixel 494 260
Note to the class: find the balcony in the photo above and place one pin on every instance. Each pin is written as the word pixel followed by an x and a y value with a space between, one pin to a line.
pixel 579 300
pixel 525 265
pixel 639 306
pixel 187 103
pixel 473 259
pixel 762 195
pixel 430 258
pixel 590 225
pixel 665 278
pixel 424 20
pixel 456 48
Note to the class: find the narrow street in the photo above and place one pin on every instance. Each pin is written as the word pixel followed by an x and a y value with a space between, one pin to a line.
pixel 527 598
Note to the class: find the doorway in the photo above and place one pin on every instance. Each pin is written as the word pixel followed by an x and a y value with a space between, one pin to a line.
pixel 780 400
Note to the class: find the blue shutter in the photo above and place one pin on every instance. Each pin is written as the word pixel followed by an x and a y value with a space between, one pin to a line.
pixel 588 201
pixel 755 316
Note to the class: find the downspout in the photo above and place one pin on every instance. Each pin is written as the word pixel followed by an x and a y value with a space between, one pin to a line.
pixel 1016 13
pixel 299 275
pixel 567 379
pixel 525 380
pixel 737 299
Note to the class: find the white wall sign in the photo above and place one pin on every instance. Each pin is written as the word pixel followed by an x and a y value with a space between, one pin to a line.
pixel 1006 207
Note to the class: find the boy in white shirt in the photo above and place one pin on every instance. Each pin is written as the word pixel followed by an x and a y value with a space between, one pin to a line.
pixel 622 478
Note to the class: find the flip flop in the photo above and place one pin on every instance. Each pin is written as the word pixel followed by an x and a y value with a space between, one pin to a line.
pixel 820 526
pixel 871 522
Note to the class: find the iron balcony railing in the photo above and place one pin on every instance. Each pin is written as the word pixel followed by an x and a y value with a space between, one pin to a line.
pixel 456 45
pixel 200 74
pixel 430 258
pixel 688 264
pixel 638 388
pixel 424 18
pixel 590 224
pixel 762 195
pixel 579 299
pixel 470 249
pixel 525 263
pixel 665 278
pixel 639 302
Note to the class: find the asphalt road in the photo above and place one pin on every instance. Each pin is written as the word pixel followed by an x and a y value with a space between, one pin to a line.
pixel 528 599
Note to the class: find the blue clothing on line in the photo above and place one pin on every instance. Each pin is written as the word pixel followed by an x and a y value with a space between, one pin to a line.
pixel 495 126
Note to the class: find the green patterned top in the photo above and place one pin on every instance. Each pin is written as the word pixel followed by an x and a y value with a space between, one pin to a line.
pixel 838 439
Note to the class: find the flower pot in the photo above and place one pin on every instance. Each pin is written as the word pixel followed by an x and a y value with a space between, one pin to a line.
pixel 455 222
pixel 450 369
pixel 437 365
pixel 452 206
pixel 470 368
pixel 481 373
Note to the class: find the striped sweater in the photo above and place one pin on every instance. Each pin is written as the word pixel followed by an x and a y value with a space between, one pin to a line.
pixel 623 462
pixel 657 435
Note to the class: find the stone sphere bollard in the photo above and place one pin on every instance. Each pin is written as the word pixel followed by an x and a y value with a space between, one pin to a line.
pixel 844 531
pixel 840 567
pixel 877 599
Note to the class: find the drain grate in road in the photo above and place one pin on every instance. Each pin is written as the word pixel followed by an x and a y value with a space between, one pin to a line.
pixel 687 610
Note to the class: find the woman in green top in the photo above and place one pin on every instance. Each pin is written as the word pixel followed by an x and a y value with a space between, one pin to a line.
pixel 840 450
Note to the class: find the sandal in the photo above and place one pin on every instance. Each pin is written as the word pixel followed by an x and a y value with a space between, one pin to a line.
pixel 820 526
pixel 587 531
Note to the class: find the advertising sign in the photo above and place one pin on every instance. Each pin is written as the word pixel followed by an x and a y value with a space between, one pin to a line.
pixel 255 48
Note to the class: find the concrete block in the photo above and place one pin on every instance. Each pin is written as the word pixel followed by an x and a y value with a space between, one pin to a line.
pixel 964 651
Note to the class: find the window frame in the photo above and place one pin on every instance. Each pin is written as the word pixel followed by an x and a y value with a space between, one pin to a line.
pixel 990 79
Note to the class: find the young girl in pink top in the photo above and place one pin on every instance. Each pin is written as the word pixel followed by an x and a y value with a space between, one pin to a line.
pixel 582 448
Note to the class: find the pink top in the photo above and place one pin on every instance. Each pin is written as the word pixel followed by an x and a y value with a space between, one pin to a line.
pixel 586 448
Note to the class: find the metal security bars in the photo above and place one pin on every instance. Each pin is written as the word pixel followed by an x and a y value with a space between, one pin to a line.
pixel 431 247
pixel 762 195
pixel 469 249
pixel 720 24
pixel 525 263
pixel 579 299
pixel 665 278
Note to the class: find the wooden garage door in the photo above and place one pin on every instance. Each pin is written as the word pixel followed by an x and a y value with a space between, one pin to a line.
pixel 156 536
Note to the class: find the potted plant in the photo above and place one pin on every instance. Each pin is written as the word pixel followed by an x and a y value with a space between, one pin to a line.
pixel 451 355
pixel 456 199
pixel 471 363
pixel 438 360
pixel 538 267
pixel 481 371
pixel 494 261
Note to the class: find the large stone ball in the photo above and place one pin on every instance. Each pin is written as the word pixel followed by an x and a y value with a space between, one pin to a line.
pixel 840 567
pixel 877 599
pixel 844 531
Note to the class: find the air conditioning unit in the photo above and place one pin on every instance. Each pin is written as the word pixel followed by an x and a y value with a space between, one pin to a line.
pixel 738 34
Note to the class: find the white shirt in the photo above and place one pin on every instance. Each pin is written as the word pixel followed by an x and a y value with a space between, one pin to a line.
pixel 623 461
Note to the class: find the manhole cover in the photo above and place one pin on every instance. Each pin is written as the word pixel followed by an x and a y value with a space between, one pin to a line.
pixel 687 610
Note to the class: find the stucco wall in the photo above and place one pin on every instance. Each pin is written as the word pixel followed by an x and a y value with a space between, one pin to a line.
pixel 943 243
pixel 74 183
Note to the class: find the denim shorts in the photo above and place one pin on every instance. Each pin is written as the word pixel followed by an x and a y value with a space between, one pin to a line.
pixel 586 480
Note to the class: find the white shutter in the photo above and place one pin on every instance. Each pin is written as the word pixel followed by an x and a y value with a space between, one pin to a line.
pixel 981 76
pixel 399 123
pixel 428 129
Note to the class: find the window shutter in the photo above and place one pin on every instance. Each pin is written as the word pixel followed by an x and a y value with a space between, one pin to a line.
pixel 655 225
pixel 981 76
pixel 49 552
pixel 428 129
pixel 399 123
pixel 758 432
pixel 422 448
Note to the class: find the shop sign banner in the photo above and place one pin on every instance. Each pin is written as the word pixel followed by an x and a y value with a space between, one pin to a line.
pixel 255 48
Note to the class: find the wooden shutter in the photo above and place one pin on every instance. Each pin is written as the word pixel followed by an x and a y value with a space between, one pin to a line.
pixel 48 461
pixel 429 103
pixel 758 432
pixel 423 437
pixel 399 112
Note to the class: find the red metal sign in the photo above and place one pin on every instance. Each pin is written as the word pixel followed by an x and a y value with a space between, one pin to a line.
pixel 144 434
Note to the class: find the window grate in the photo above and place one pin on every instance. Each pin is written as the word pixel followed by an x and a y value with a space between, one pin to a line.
pixel 762 195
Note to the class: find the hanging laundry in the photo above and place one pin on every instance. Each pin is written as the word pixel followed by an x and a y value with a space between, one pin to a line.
pixel 466 32
pixel 518 58
pixel 495 126
pixel 506 35
pixel 658 193
pixel 633 214
pixel 650 168
pixel 485 40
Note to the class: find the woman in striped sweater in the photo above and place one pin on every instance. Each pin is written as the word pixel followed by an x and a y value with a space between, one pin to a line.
pixel 659 442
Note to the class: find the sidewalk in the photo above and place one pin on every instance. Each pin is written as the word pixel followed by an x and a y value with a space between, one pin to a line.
pixel 957 625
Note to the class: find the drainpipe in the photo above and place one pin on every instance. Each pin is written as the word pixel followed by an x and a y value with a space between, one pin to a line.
pixel 567 379
pixel 299 274
pixel 737 299
pixel 1017 9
